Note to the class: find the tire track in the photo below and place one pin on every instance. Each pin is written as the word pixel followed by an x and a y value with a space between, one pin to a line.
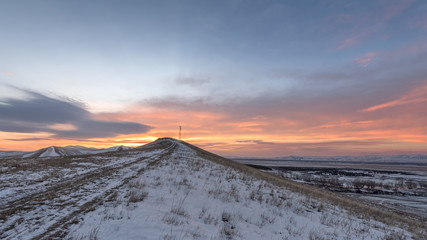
pixel 60 229
pixel 49 210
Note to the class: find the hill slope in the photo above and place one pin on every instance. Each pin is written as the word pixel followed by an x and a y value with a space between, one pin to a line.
pixel 54 151
pixel 172 190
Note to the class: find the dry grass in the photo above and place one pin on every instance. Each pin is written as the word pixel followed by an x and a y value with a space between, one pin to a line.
pixel 137 196
pixel 358 208
pixel 228 229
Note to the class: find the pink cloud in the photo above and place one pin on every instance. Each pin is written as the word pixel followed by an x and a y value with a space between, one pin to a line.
pixel 416 95
pixel 411 49
pixel 366 26
pixel 366 58
pixel 347 43
pixel 393 9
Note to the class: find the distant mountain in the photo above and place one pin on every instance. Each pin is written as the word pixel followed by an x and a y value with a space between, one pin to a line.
pixel 11 153
pixel 54 151
pixel 116 148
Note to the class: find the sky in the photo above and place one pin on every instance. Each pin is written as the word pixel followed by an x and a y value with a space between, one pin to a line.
pixel 243 78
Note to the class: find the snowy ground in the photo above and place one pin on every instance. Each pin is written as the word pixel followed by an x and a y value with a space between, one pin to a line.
pixel 409 204
pixel 39 197
pixel 163 191
pixel 404 192
pixel 186 197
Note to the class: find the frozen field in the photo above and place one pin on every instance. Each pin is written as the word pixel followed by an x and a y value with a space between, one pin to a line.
pixel 407 163
pixel 397 183
pixel 172 190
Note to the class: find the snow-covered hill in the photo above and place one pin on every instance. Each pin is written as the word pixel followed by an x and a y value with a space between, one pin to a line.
pixel 54 151
pixel 172 190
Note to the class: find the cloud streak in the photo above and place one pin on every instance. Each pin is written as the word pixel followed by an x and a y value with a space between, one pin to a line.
pixel 417 95
pixel 40 113
pixel 367 26
pixel 26 139
pixel 343 118
pixel 254 141
pixel 348 42
pixel 366 58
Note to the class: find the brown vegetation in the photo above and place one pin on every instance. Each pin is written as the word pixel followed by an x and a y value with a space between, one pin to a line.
pixel 367 210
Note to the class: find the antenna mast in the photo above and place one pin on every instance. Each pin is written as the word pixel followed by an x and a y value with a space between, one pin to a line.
pixel 180 133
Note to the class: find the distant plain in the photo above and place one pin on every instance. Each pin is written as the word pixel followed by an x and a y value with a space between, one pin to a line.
pixel 396 182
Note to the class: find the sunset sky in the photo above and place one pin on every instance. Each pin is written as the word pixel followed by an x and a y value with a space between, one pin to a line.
pixel 242 78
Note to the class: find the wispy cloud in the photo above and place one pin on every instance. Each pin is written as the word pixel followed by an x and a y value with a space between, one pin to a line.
pixel 408 50
pixel 27 139
pixel 366 58
pixel 395 8
pixel 366 26
pixel 348 42
pixel 318 121
pixel 416 95
pixel 254 141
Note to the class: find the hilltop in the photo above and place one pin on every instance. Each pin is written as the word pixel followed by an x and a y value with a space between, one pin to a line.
pixel 170 189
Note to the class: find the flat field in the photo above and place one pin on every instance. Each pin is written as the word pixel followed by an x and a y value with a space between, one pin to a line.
pixel 399 183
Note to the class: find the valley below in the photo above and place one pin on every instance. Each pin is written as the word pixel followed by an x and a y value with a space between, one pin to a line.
pixel 396 183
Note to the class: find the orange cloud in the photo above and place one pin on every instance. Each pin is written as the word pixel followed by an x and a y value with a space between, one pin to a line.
pixel 275 135
pixel 278 133
pixel 416 95
pixel 63 127
pixel 11 141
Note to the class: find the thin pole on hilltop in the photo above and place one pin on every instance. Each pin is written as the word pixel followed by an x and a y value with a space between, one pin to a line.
pixel 180 133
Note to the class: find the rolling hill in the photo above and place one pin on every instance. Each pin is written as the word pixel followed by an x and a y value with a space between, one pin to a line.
pixel 54 151
pixel 169 189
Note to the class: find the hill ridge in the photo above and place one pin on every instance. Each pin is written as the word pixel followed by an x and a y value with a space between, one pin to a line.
pixel 171 189
pixel 72 150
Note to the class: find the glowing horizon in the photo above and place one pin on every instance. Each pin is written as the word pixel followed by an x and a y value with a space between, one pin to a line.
pixel 242 79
